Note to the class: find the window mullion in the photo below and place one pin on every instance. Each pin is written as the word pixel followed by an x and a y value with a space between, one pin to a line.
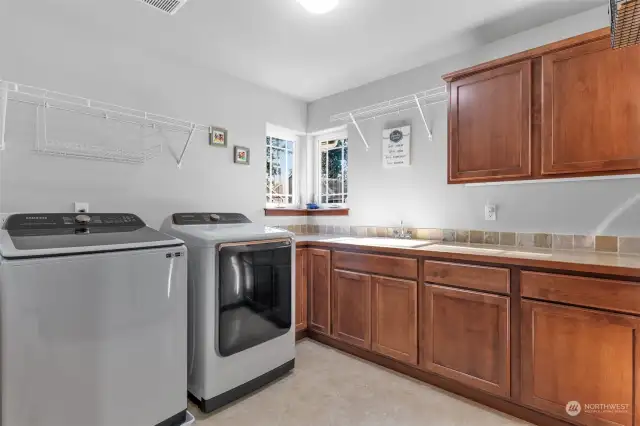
pixel 286 176
pixel 271 178
pixel 342 173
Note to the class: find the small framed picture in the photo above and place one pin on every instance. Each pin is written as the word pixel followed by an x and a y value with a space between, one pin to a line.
pixel 241 155
pixel 217 136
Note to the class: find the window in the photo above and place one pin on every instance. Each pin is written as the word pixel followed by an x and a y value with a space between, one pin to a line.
pixel 280 172
pixel 334 161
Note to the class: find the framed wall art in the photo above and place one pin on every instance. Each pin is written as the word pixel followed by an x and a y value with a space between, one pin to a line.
pixel 241 155
pixel 218 136
pixel 396 147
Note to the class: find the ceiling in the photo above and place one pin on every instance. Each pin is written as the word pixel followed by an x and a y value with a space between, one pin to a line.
pixel 277 44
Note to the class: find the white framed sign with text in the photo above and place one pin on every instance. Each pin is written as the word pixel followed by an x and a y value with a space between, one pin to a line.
pixel 396 147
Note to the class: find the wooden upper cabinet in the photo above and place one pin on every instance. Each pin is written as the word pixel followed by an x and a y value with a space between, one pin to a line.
pixel 466 337
pixel 490 125
pixel 566 109
pixel 351 309
pixel 301 289
pixel 320 290
pixel 576 354
pixel 591 109
pixel 394 316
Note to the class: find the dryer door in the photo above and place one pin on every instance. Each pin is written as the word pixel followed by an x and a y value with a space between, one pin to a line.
pixel 254 293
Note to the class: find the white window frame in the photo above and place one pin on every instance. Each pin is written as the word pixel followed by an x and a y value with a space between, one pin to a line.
pixel 318 167
pixel 289 136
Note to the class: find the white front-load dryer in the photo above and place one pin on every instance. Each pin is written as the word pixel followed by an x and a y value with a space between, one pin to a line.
pixel 241 304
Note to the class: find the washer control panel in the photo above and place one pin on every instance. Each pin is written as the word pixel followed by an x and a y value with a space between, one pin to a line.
pixel 209 218
pixel 44 221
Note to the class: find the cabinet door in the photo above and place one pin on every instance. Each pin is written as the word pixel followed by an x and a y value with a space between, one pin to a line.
pixel 591 109
pixel 301 289
pixel 394 305
pixel 352 308
pixel 320 288
pixel 466 337
pixel 576 354
pixel 490 125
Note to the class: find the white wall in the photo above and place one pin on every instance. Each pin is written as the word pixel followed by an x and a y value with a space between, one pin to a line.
pixel 51 52
pixel 420 195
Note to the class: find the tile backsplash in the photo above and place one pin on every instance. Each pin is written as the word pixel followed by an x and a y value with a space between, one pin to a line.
pixel 600 243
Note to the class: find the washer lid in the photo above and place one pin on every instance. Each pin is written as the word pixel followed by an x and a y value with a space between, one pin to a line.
pixel 48 234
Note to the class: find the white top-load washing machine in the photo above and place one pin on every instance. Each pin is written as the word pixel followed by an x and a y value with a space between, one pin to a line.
pixel 241 302
pixel 93 322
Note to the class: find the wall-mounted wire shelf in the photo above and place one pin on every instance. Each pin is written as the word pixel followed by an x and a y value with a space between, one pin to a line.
pixel 10 91
pixel 418 101
pixel 625 22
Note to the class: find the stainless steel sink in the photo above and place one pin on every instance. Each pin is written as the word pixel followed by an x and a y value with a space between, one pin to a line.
pixel 470 249
pixel 381 242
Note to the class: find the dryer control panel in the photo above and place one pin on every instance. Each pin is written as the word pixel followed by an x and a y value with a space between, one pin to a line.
pixel 209 218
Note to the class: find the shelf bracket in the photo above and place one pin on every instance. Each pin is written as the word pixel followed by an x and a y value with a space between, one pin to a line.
pixel 4 97
pixel 186 145
pixel 424 119
pixel 355 123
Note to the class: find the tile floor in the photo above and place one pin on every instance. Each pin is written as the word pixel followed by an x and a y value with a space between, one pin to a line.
pixel 329 387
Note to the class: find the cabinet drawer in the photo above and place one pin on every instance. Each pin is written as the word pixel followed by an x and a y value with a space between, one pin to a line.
pixel 590 292
pixel 400 267
pixel 467 276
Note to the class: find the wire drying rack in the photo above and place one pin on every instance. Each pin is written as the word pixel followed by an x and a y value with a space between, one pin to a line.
pixel 45 99
pixel 419 101
pixel 625 22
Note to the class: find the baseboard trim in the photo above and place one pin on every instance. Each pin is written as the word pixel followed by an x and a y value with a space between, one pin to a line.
pixel 302 334
pixel 448 385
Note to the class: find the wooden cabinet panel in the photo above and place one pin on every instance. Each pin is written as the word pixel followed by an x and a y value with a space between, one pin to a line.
pixel 466 337
pixel 469 276
pixel 301 289
pixel 352 308
pixel 394 305
pixel 612 295
pixel 490 124
pixel 320 290
pixel 401 267
pixel 583 355
pixel 591 109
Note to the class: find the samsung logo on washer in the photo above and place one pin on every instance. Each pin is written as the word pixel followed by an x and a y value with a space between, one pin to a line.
pixel 37 217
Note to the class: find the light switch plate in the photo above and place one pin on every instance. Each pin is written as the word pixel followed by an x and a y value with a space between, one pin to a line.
pixel 81 207
pixel 490 212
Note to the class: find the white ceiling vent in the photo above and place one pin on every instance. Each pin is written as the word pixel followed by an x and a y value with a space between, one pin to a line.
pixel 167 6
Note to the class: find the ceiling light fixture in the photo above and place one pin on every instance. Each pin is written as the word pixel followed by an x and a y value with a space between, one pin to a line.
pixel 319 6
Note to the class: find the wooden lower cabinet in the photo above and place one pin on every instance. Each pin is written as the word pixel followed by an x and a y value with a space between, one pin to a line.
pixel 319 281
pixel 394 316
pixel 465 337
pixel 301 289
pixel 583 355
pixel 351 310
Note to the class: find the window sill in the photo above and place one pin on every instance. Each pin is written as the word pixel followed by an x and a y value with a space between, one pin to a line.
pixel 307 212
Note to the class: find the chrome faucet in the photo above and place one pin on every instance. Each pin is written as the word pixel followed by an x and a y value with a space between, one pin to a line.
pixel 402 233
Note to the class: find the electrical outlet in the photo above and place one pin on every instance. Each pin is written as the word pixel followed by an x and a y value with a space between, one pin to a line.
pixel 81 207
pixel 490 212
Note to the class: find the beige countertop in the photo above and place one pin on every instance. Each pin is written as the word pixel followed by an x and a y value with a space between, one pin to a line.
pixel 575 260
